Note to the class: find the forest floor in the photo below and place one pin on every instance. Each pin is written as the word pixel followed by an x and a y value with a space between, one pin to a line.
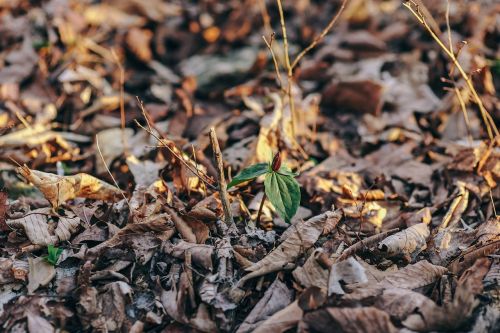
pixel 115 215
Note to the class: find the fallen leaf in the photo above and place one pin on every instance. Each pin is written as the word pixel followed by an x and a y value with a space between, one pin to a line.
pixel 297 238
pixel 59 189
pixel 282 320
pixel 432 317
pixel 36 226
pixel 40 273
pixel 457 207
pixel 349 271
pixel 409 242
pixel 276 298
pixel 350 320
pixel 137 41
pixel 39 324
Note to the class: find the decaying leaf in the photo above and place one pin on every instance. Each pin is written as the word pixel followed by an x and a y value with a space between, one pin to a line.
pixel 364 244
pixel 312 273
pixel 414 276
pixel 40 273
pixel 432 317
pixel 37 323
pixel 282 320
pixel 37 228
pixel 350 320
pixel 59 189
pixel 276 297
pixel 297 239
pixel 349 271
pixel 408 242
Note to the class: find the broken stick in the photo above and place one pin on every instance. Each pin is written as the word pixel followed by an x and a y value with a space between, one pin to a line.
pixel 228 216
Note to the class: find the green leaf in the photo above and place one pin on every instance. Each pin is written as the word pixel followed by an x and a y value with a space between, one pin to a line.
pixel 53 254
pixel 284 193
pixel 249 173
pixel 286 171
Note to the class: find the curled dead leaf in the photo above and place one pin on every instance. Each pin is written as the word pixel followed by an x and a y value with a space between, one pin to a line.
pixel 36 226
pixel 452 316
pixel 59 189
pixel 297 239
pixel 408 242
pixel 350 320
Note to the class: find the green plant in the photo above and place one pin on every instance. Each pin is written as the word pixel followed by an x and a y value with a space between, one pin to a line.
pixel 280 186
pixel 53 254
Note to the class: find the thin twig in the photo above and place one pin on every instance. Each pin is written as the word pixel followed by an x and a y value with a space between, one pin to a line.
pixel 488 121
pixel 320 37
pixel 109 172
pixel 288 68
pixel 122 100
pixel 265 17
pixel 464 111
pixel 275 61
pixel 162 143
pixel 228 216
pixel 260 208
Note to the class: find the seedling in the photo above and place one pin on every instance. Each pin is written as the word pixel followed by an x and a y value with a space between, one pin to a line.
pixel 280 186
pixel 53 254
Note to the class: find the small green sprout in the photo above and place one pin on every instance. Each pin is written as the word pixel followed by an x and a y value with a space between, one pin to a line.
pixel 280 185
pixel 53 254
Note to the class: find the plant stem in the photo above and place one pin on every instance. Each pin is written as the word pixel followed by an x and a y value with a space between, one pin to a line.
pixel 228 216
pixel 260 208
pixel 288 68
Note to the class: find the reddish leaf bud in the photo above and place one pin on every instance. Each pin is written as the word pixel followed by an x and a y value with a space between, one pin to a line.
pixel 276 165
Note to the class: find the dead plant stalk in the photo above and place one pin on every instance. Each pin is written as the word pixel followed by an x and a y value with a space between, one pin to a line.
pixel 228 216
pixel 290 65
pixel 488 121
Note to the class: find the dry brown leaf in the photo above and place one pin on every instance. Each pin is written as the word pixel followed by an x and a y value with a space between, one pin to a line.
pixel 466 259
pixel 297 239
pixel 489 231
pixel 432 317
pixel 202 320
pixel 105 14
pixel 200 254
pixel 40 273
pixel 6 274
pixel 138 41
pixel 364 244
pixel 448 243
pixel 182 227
pixel 350 320
pixel 401 303
pixel 36 227
pixel 37 323
pixel 357 96
pixel 312 273
pixel 161 225
pixel 145 172
pixel 3 211
pixel 276 298
pixel 409 242
pixel 369 211
pixel 349 271
pixel 413 276
pixel 282 320
pixel 58 189
pixel 457 207
pixel 332 222
pixel 208 209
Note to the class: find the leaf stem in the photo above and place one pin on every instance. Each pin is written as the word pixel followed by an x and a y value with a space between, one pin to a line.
pixel 260 208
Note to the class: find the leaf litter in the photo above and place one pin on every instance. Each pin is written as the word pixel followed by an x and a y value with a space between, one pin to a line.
pixel 112 213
